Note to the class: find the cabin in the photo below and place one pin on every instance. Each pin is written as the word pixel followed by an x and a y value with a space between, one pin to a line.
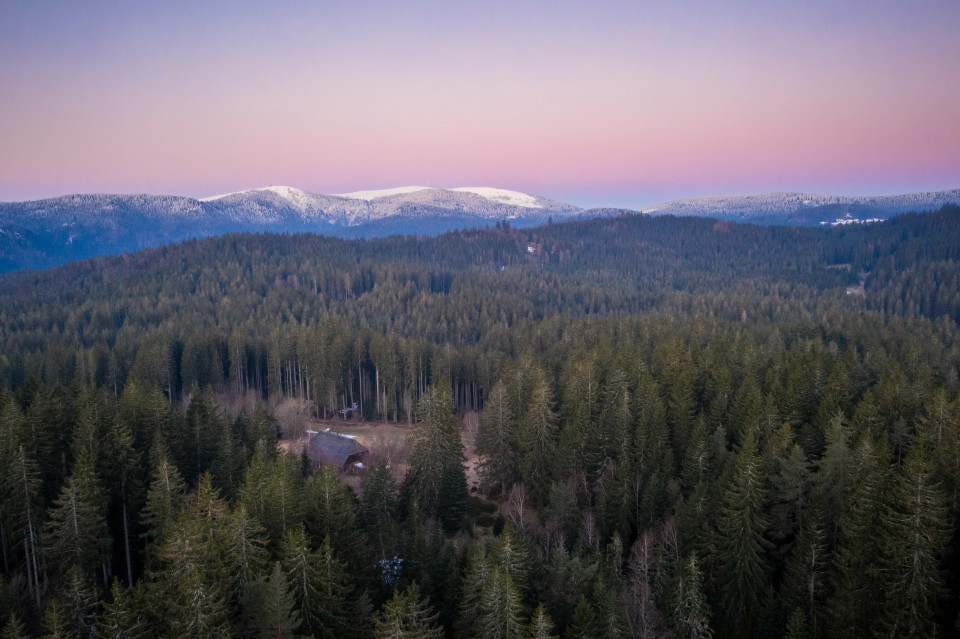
pixel 341 451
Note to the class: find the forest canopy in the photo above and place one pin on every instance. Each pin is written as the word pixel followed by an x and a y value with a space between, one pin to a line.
pixel 686 427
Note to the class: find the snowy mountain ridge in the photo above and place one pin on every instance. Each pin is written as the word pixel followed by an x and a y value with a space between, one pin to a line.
pixel 305 199
pixel 43 233
pixel 47 232
pixel 803 208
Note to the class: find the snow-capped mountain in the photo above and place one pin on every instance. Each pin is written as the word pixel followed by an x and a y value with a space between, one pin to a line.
pixel 44 233
pixel 804 209
pixel 276 203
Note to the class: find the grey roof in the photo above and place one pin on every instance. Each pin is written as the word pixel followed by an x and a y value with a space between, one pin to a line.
pixel 333 448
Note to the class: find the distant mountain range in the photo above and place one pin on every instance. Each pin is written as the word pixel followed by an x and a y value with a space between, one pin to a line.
pixel 43 233
pixel 804 209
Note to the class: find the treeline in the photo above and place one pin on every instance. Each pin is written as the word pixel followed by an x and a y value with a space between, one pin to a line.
pixel 337 321
pixel 687 429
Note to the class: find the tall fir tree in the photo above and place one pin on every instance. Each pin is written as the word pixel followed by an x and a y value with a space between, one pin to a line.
pixel 916 532
pixel 407 615
pixel 497 442
pixel 435 465
pixel 741 572
pixel 540 626
pixel 269 607
pixel 538 440
pixel 77 530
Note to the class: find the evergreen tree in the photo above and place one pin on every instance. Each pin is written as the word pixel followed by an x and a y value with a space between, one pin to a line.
pixel 378 510
pixel 77 528
pixel 804 586
pixel 165 500
pixel 540 625
pixel 197 578
pixel 608 604
pixel 197 443
pixel 228 463
pixel 20 505
pixel 269 607
pixel 124 475
pixel 273 493
pixel 330 512
pixel 479 566
pixel 243 542
pixel 578 447
pixel 78 599
pixel 689 610
pixel 436 459
pixel 501 609
pixel 13 629
pixel 124 616
pixel 198 605
pixel 407 615
pixel 452 499
pixel 319 584
pixel 741 572
pixel 916 532
pixel 854 574
pixel 537 436
pixel 796 626
pixel 584 622
pixel 497 442
pixel 57 624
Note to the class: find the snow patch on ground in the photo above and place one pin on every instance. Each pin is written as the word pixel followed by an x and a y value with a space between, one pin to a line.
pixel 372 195
pixel 503 196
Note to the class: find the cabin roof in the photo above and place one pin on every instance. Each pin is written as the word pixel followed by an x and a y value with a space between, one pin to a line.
pixel 334 448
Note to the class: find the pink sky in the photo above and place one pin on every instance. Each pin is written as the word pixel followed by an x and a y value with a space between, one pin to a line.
pixel 611 103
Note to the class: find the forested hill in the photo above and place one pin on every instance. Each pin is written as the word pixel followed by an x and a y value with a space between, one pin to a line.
pixel 616 265
pixel 684 427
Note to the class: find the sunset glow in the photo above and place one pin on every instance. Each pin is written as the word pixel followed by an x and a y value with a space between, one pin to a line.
pixel 603 103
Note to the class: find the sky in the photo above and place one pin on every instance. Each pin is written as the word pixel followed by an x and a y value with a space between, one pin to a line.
pixel 599 103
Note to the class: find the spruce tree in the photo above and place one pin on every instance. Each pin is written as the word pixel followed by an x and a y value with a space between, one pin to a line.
pixel 165 501
pixel 13 629
pixel 124 616
pixel 854 574
pixel 538 441
pixel 269 607
pixel 497 442
pixel 540 625
pixel 689 612
pixel 741 571
pixel 378 510
pixel 77 530
pixel 501 609
pixel 436 458
pixel 916 531
pixel 407 615
pixel 583 625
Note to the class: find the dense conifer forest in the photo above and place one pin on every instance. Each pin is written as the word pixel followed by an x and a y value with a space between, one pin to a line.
pixel 685 427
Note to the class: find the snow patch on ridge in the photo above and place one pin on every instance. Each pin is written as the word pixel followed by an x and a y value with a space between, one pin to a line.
pixel 503 196
pixel 372 195
pixel 286 192
pixel 221 196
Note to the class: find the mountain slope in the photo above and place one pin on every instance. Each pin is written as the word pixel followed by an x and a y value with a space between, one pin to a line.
pixel 804 209
pixel 49 232
pixel 45 233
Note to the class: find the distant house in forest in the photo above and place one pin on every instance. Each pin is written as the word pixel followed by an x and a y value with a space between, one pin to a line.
pixel 341 451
